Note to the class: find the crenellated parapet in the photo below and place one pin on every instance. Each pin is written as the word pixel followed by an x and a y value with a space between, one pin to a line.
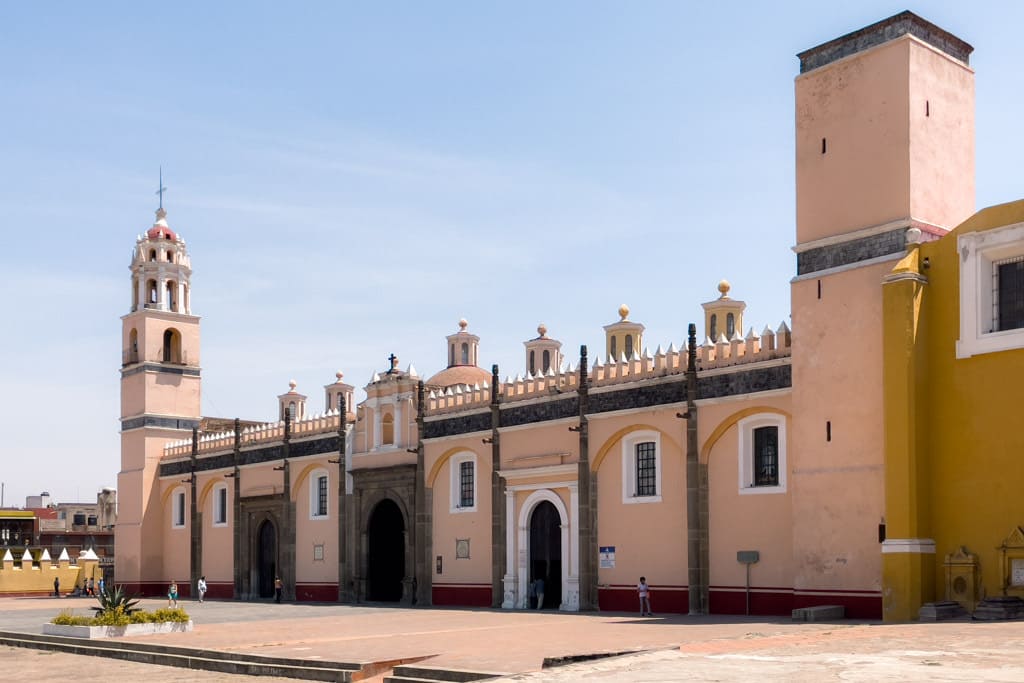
pixel 323 423
pixel 753 348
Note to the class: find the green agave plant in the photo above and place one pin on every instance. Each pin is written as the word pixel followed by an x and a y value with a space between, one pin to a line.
pixel 115 599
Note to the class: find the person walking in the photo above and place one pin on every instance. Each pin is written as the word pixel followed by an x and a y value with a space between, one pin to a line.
pixel 644 591
pixel 103 585
pixel 201 586
pixel 278 586
pixel 172 595
pixel 539 590
pixel 56 586
pixel 92 586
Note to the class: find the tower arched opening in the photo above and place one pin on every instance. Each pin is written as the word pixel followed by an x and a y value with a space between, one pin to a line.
pixel 172 346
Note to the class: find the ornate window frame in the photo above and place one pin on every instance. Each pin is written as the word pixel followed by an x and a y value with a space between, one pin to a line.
pixel 629 444
pixel 746 428
pixel 979 253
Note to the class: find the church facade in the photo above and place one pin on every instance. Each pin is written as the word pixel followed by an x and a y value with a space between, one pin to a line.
pixel 739 472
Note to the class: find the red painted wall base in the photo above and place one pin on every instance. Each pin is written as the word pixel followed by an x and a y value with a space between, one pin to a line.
pixel 461 595
pixel 665 599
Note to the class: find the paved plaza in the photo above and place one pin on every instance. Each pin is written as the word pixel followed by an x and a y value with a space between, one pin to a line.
pixel 517 644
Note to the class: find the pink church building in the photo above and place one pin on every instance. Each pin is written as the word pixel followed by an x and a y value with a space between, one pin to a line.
pixel 731 450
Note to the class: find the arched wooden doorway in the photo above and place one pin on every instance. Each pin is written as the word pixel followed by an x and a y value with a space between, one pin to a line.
pixel 266 559
pixel 386 553
pixel 546 552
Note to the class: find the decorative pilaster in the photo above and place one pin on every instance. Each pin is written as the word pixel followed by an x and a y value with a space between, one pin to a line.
pixel 195 520
pixel 696 532
pixel 236 519
pixel 343 570
pixel 509 580
pixel 497 496
pixel 423 577
pixel 586 508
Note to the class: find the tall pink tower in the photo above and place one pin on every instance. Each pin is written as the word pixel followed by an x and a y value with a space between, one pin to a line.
pixel 884 155
pixel 160 380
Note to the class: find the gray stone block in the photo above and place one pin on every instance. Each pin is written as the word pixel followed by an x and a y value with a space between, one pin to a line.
pixel 820 613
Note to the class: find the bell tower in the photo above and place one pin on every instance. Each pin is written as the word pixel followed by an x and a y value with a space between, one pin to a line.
pixel 160 392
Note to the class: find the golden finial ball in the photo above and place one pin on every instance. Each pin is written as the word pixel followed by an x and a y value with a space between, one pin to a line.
pixel 724 287
pixel 463 324
pixel 292 384
pixel 542 329
pixel 339 374
pixel 623 311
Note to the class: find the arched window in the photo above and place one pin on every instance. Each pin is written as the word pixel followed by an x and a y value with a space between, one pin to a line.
pixel 172 303
pixel 133 346
pixel 547 360
pixel 465 353
pixel 172 346
pixel 730 325
pixel 614 350
pixel 533 366
pixel 387 430
pixel 152 254
pixel 629 346
pixel 151 293
pixel 319 486
pixel 135 294
pixel 451 355
pixel 170 256
pixel 291 411
pixel 714 328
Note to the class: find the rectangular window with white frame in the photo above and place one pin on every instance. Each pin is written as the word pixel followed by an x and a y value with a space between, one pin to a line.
pixel 762 453
pixel 220 505
pixel 463 482
pixel 178 511
pixel 319 485
pixel 641 467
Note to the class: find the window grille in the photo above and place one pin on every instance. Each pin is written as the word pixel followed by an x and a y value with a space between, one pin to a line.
pixel 321 496
pixel 766 456
pixel 466 484
pixel 646 469
pixel 1008 294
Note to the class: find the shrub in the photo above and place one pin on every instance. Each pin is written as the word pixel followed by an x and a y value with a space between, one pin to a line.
pixel 177 615
pixel 69 618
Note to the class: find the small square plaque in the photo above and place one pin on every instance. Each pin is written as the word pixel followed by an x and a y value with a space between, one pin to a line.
pixel 318 552
pixel 462 549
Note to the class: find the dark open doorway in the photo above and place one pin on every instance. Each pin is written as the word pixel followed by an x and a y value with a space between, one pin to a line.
pixel 386 553
pixel 546 552
pixel 266 559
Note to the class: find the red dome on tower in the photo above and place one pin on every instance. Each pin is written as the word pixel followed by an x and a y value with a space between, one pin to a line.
pixel 161 232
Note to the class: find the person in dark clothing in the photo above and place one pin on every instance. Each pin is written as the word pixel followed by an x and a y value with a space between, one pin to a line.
pixel 56 586
pixel 278 585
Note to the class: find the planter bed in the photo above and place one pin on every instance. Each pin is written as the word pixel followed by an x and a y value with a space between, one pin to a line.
pixel 117 631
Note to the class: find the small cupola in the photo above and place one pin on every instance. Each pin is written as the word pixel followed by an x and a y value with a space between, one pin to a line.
pixel 462 369
pixel 723 317
pixel 292 403
pixel 543 353
pixel 462 346
pixel 623 339
pixel 338 390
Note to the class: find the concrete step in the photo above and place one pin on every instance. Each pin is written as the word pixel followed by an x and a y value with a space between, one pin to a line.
pixel 187 658
pixel 820 613
pixel 435 674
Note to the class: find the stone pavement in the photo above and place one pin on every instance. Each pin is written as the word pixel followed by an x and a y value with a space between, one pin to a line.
pixel 517 643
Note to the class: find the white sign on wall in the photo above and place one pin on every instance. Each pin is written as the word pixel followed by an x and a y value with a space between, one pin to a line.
pixel 607 556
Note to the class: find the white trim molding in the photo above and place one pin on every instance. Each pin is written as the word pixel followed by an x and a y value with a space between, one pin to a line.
pixel 979 252
pixel 917 546
pixel 314 494
pixel 517 539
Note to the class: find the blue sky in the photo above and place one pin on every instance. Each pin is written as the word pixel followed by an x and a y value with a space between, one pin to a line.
pixel 353 179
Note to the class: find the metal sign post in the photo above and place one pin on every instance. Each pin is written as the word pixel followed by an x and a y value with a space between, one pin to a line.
pixel 748 557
